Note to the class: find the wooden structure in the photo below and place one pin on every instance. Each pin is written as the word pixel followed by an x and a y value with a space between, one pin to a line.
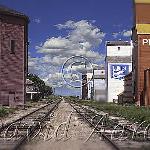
pixel 84 87
pixel 146 91
pixel 141 50
pixel 32 91
pixel 13 56
pixel 127 95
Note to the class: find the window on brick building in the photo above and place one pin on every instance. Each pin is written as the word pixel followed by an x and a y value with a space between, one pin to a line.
pixel 12 46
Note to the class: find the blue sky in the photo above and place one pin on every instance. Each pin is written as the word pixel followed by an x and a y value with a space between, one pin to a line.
pixel 59 21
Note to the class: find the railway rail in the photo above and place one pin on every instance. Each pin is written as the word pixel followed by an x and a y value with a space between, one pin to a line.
pixel 118 133
pixel 16 133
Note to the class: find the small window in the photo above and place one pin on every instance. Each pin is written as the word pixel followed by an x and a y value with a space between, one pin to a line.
pixel 12 46
pixel 118 48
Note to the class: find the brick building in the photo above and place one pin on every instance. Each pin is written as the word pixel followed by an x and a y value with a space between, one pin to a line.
pixel 141 51
pixel 13 56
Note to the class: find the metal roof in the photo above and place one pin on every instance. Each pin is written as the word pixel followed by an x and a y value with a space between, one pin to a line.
pixel 118 59
pixel 117 43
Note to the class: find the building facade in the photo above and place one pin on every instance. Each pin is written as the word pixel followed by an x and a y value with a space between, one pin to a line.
pixel 90 85
pixel 84 87
pixel 96 84
pixel 141 50
pixel 99 84
pixel 13 56
pixel 118 64
pixel 127 95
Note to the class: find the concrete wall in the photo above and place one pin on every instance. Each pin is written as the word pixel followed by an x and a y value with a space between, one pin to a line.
pixel 123 51
pixel 115 78
pixel 99 89
pixel 99 85
pixel 118 64
pixel 99 72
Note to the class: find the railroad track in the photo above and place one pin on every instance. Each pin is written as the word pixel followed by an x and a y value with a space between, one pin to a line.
pixel 120 135
pixel 16 133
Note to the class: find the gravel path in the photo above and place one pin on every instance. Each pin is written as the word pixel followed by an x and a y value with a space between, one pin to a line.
pixel 78 132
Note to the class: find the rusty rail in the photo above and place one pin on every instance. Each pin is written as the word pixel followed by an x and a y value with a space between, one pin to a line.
pixel 42 113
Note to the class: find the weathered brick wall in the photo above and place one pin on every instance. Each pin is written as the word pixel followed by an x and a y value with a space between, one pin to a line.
pixel 141 53
pixel 12 65
pixel 143 64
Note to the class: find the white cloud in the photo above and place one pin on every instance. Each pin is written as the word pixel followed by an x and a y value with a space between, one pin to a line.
pixel 115 35
pixel 127 33
pixel 56 61
pixel 31 61
pixel 124 33
pixel 82 38
pixel 80 68
pixel 56 43
pixel 37 20
pixel 83 31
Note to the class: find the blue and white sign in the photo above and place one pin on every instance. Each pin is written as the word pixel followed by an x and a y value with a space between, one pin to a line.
pixel 118 71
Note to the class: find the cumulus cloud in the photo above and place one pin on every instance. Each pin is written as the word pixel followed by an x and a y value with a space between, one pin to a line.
pixel 127 33
pixel 83 31
pixel 80 68
pixel 82 38
pixel 124 33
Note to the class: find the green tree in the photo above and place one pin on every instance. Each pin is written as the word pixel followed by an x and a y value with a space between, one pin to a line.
pixel 40 84
pixel 48 91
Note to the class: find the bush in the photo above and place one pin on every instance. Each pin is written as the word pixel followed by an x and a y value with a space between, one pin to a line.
pixel 5 111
